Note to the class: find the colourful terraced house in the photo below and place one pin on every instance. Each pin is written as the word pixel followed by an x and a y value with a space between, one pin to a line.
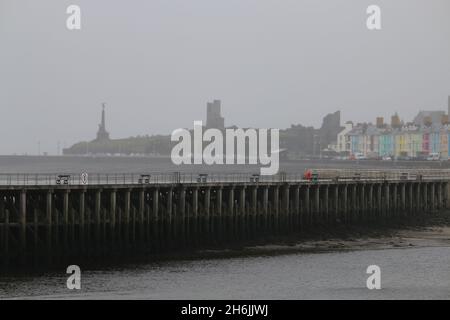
pixel 416 143
pixel 386 144
pixel 408 141
pixel 444 144
pixel 435 142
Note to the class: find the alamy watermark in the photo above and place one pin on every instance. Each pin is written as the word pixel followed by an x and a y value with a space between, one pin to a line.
pixel 73 22
pixel 373 21
pixel 74 280
pixel 374 280
pixel 241 146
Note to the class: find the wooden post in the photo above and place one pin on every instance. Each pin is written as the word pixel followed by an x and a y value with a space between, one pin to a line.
pixel 296 223
pixel 182 215
pixel 445 190
pixel 362 203
pixel 155 220
pixel 195 220
pixel 230 223
pixel 306 207
pixel 425 197
pixel 219 200
pixel 219 219
pixel 141 209
pixel 133 224
pixel 36 230
pixel 254 208
pixel 65 220
pixel 148 233
pixel 387 197
pixel 23 221
pixel 354 210
pixel 325 204
pixel 82 213
pixel 265 207
pixel 394 199
pixel 410 198
pixel 169 216
pixel 370 202
pixel 253 211
pixel 344 203
pixel 285 214
pixel 276 208
pixel 5 233
pixel 4 214
pixel 418 198
pixel 241 219
pixel 97 221
pixel 207 213
pixel 112 217
pixel 127 207
pixel 432 197
pixel 403 198
pixel 379 200
pixel 316 213
pixel 336 203
pixel 242 201
pixel 439 196
pixel 48 218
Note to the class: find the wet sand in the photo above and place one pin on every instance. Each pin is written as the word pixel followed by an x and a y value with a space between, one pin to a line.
pixel 425 237
pixel 419 232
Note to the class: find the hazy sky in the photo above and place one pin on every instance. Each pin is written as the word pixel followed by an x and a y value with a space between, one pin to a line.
pixel 157 62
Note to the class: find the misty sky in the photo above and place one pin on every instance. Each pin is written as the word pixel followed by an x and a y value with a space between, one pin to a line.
pixel 157 62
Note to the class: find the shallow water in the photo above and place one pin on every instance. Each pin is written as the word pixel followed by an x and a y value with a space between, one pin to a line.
pixel 416 273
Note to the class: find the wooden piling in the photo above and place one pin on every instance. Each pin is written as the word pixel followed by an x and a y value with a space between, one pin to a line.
pixel 155 220
pixel 82 215
pixel 127 209
pixel 97 219
pixel 23 220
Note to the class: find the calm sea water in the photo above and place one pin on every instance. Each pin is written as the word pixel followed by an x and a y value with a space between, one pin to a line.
pixel 72 164
pixel 413 273
pixel 419 273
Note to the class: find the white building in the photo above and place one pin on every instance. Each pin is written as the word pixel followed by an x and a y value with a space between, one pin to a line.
pixel 343 140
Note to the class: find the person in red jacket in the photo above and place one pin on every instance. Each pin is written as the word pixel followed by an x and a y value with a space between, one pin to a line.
pixel 308 175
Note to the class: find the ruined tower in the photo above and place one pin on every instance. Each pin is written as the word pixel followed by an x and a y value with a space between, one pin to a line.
pixel 213 116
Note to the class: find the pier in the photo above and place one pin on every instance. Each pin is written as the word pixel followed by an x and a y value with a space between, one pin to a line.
pixel 52 217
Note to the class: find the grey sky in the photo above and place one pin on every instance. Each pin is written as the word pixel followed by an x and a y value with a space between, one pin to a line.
pixel 157 62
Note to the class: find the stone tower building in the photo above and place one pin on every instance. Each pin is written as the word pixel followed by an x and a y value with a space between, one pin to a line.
pixel 102 134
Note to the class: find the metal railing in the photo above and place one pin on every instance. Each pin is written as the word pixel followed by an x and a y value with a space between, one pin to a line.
pixel 324 176
pixel 385 174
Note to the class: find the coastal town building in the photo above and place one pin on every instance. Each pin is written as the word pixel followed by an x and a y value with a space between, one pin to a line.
pixel 429 133
pixel 343 140
pixel 214 118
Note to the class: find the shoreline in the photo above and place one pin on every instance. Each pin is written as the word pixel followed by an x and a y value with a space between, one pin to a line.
pixel 399 239
pixel 403 239
pixel 431 230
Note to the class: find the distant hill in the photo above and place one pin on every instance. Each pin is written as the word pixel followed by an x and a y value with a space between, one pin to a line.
pixel 156 145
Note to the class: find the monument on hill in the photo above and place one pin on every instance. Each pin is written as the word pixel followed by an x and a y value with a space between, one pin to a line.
pixel 102 134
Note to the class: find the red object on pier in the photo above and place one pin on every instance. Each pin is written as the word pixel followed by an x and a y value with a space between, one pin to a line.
pixel 308 175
